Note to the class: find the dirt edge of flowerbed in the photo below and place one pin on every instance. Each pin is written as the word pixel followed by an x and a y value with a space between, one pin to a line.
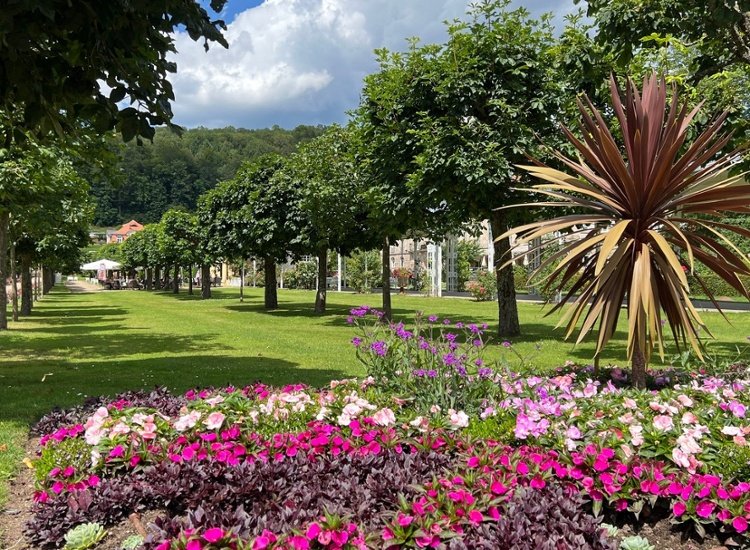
pixel 18 511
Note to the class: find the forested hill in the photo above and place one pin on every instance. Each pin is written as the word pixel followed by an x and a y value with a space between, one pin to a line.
pixel 176 170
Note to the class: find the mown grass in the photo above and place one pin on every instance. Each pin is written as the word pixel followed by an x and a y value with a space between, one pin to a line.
pixel 78 345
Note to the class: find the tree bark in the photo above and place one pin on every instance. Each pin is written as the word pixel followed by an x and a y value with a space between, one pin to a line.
pixel 320 294
pixel 157 278
pixel 638 368
pixel 387 309
pixel 271 299
pixel 242 281
pixel 149 283
pixel 176 282
pixel 190 279
pixel 48 280
pixel 27 295
pixel 14 281
pixel 4 229
pixel 205 281
pixel 507 307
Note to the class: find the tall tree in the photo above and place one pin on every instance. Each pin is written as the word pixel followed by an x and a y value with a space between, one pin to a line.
pixel 253 215
pixel 182 236
pixel 331 190
pixel 461 115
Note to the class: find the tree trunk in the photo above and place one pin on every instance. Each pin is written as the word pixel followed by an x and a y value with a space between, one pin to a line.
pixel 190 279
pixel 176 282
pixel 271 300
pixel 506 293
pixel 242 281
pixel 26 285
pixel 205 281
pixel 157 278
pixel 149 278
pixel 14 281
pixel 48 280
pixel 638 368
pixel 4 229
pixel 387 309
pixel 320 295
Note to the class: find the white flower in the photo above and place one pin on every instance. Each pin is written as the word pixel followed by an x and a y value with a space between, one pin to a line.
pixel 321 414
pixel 458 419
pixel 187 421
pixel 343 419
pixel 730 430
pixel 215 400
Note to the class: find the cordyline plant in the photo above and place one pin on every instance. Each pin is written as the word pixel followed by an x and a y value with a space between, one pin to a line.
pixel 645 213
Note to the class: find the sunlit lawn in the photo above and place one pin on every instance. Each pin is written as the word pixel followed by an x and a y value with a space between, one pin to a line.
pixel 78 345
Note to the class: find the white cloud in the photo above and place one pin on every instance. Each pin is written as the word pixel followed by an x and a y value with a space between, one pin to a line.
pixel 295 62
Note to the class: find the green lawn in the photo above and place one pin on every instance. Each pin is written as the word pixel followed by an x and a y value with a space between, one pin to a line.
pixel 77 345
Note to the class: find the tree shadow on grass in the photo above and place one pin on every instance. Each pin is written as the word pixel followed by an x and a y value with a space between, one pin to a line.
pixel 25 397
pixel 80 340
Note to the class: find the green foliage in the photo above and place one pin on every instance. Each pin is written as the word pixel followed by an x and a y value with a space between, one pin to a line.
pixel 635 543
pixel 302 276
pixel 69 452
pixel 612 530
pixel 173 171
pixel 133 542
pixel 484 287
pixel 363 270
pixel 500 428
pixel 124 45
pixel 84 536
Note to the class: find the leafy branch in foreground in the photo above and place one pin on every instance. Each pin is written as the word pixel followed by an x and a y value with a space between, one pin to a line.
pixel 645 212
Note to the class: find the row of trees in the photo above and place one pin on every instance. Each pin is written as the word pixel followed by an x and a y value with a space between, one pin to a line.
pixel 435 143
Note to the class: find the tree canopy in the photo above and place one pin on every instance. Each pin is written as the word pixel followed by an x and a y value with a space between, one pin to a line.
pixel 108 63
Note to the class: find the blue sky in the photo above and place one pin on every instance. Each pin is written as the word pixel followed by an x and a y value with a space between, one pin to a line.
pixel 296 62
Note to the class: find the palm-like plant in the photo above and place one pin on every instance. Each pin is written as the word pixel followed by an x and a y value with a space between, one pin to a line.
pixel 645 212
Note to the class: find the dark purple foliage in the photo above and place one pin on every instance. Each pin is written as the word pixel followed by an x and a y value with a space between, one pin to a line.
pixel 548 519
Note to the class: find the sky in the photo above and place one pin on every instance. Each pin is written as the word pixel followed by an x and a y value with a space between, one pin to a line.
pixel 292 62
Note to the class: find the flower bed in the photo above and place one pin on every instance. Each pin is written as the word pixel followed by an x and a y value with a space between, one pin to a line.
pixel 435 449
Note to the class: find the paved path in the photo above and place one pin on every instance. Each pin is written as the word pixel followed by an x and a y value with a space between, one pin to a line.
pixel 81 286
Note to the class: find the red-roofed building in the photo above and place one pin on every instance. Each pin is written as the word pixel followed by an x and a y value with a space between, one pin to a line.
pixel 124 232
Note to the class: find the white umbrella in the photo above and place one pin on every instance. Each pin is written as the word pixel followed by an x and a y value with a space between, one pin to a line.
pixel 100 265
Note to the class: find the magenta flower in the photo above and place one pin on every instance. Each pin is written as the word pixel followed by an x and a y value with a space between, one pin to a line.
pixel 740 524
pixel 704 508
pixel 214 534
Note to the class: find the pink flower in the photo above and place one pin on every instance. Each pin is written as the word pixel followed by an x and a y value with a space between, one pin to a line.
pixel 214 420
pixel 194 545
pixel 166 545
pixel 704 509
pixel 537 483
pixel 663 422
pixel 214 534
pixel 117 452
pixel 405 521
pixel 313 531
pixel 384 417
pixel 475 516
pixel 740 524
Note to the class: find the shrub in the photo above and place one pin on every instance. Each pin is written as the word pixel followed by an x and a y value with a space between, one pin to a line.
pixel 484 288
pixel 303 276
pixel 84 536
pixel 363 270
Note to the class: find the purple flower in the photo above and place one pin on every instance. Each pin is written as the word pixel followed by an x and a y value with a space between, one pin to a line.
pixel 356 341
pixel 484 372
pixel 459 325
pixel 432 373
pixel 446 321
pixel 450 337
pixel 450 359
pixel 419 373
pixel 350 319
pixel 479 362
pixel 461 370
pixel 424 344
pixel 432 318
pixel 474 329
pixel 477 343
pixel 506 344
pixel 360 311
pixel 379 347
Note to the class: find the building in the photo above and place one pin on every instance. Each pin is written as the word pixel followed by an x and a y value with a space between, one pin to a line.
pixel 122 234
